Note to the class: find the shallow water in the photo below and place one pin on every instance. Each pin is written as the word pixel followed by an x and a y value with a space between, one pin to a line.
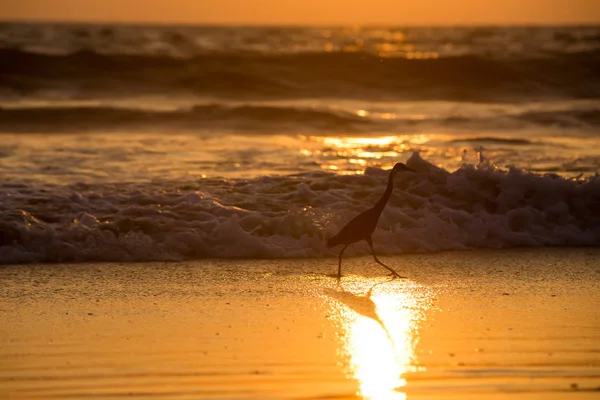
pixel 498 324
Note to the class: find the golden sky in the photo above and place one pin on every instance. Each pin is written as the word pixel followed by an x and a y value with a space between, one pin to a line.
pixel 389 12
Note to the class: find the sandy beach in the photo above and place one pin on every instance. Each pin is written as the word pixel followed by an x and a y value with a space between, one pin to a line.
pixel 519 324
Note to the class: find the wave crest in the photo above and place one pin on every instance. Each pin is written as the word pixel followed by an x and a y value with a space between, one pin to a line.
pixel 255 118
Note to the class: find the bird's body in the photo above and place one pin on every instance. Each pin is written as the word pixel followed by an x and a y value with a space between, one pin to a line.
pixel 359 228
pixel 363 225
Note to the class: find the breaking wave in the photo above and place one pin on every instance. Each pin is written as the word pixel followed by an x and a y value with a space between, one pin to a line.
pixel 292 216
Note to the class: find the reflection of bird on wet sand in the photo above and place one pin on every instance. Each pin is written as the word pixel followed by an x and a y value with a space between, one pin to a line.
pixel 362 226
pixel 362 305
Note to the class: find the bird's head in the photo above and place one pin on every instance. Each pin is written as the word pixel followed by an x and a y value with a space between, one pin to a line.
pixel 399 167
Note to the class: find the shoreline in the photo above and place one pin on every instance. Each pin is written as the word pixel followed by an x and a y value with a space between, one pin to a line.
pixel 348 254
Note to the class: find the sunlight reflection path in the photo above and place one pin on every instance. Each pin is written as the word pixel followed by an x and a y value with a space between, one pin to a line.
pixel 350 155
pixel 378 332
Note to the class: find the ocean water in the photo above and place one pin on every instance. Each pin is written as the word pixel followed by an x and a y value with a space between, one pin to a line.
pixel 130 143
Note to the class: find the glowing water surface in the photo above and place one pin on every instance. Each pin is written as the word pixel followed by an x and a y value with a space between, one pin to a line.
pixel 137 157
pixel 378 325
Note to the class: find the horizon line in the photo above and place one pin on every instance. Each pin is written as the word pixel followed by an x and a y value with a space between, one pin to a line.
pixel 289 24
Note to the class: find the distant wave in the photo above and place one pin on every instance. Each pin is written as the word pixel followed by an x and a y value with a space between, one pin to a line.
pixel 292 216
pixel 580 118
pixel 241 118
pixel 303 75
pixel 267 119
pixel 494 140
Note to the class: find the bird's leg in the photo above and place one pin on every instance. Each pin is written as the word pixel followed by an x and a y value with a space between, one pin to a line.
pixel 394 273
pixel 339 275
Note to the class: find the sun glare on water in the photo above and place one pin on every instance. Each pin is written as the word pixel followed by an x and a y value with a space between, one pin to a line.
pixel 351 142
pixel 350 155
pixel 377 342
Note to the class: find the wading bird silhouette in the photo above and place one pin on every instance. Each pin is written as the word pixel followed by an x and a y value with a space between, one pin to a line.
pixel 362 226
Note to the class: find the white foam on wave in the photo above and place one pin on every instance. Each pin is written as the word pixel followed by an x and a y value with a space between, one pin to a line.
pixel 292 216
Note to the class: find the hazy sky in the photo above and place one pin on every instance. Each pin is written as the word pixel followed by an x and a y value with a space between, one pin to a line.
pixel 398 12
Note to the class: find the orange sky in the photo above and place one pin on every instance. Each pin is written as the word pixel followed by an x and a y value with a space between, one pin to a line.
pixel 394 12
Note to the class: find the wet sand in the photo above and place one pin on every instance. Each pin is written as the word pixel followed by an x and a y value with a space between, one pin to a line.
pixel 518 324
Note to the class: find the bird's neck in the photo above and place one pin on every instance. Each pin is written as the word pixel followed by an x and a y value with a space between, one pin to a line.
pixel 386 195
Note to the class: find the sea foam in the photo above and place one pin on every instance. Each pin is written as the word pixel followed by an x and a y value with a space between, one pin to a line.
pixel 292 216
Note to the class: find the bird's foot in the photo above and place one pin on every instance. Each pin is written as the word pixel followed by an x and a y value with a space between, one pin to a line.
pixel 334 275
pixel 395 275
